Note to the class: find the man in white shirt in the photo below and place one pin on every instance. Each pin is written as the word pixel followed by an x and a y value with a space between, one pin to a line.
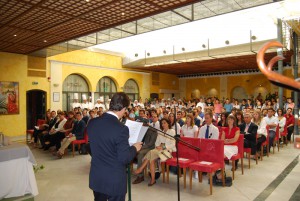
pixel 272 122
pixel 155 122
pixel 209 131
pixel 201 104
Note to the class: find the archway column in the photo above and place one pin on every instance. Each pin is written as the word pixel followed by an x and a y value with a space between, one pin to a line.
pixel 55 84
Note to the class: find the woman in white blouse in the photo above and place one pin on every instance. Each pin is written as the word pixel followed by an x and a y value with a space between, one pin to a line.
pixel 173 123
pixel 189 129
pixel 162 143
pixel 261 131
pixel 281 120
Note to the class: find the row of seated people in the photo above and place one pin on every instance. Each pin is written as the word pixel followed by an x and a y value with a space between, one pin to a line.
pixel 253 128
pixel 60 130
pixel 154 142
pixel 190 124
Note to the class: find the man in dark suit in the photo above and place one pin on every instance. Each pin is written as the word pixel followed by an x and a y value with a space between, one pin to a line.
pixel 111 151
pixel 249 130
pixel 149 144
pixel 76 134
pixel 42 135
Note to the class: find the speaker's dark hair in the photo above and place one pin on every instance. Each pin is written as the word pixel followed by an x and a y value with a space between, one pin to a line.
pixel 119 101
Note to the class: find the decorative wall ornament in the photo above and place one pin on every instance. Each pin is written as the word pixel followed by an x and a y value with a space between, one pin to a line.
pixel 9 97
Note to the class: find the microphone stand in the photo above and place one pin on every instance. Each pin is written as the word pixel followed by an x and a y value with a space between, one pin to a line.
pixel 177 140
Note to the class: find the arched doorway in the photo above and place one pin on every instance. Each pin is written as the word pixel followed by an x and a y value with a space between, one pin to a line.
pixel 239 93
pixel 35 107
pixel 131 89
pixel 106 87
pixel 74 86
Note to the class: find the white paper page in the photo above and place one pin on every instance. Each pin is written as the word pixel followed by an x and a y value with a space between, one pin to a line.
pixel 142 133
pixel 134 130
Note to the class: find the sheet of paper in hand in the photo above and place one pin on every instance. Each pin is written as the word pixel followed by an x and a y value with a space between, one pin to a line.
pixel 136 131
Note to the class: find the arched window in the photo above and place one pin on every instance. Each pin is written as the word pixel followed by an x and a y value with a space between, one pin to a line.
pixel 73 86
pixel 106 87
pixel 131 89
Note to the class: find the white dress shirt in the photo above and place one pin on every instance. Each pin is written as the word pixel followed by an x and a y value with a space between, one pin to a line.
pixel 261 130
pixel 272 120
pixel 155 125
pixel 213 132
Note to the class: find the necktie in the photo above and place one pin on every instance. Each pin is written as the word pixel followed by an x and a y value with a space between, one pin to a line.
pixel 206 132
pixel 247 127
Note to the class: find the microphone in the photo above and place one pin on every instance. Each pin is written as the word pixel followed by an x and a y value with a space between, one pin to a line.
pixel 143 120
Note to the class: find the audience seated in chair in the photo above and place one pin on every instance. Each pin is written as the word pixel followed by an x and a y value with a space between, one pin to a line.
pixel 41 128
pixel 281 121
pixel 208 130
pixel 230 135
pixel 45 134
pixel 162 143
pixel 76 134
pixel 249 130
pixel 290 121
pixel 149 144
pixel 58 127
pixel 272 122
pixel 189 129
pixel 56 138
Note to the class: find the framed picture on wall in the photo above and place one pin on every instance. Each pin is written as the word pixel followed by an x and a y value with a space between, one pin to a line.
pixel 56 97
pixel 9 98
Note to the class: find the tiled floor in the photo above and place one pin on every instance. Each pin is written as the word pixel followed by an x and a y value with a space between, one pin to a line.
pixel 67 180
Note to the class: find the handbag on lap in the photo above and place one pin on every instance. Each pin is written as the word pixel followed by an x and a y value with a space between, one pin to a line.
pixel 164 155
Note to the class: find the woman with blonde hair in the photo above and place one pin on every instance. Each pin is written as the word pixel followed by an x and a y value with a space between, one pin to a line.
pixel 189 129
pixel 261 130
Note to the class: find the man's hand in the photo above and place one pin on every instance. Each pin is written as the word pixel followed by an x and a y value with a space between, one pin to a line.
pixel 138 146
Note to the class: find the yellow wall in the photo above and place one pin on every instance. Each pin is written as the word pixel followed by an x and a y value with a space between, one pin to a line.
pixel 203 85
pixel 13 67
pixel 89 58
pixel 166 82
pixel 248 82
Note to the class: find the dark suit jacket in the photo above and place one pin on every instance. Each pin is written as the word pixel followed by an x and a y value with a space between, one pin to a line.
pixel 52 123
pixel 85 119
pixel 252 130
pixel 111 153
pixel 78 129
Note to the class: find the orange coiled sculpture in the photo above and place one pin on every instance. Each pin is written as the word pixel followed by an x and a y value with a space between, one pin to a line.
pixel 274 77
